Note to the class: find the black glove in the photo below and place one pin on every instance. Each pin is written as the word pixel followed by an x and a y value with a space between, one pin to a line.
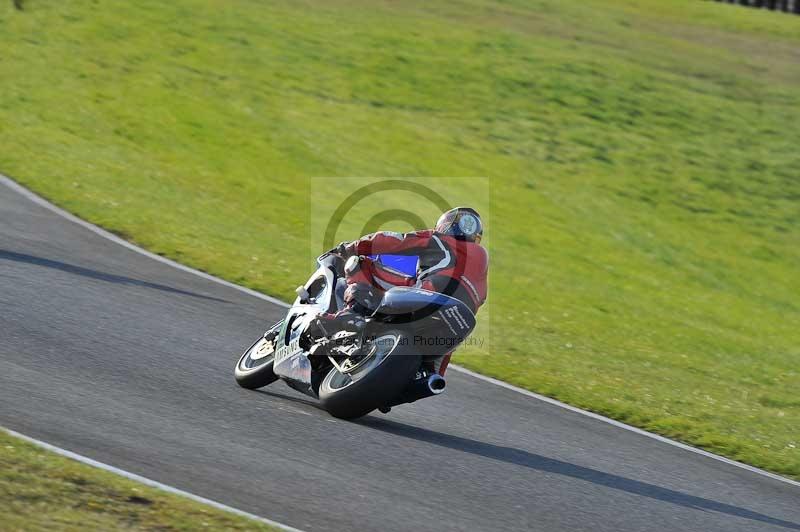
pixel 341 250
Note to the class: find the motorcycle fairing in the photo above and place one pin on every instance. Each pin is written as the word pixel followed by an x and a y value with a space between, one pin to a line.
pixel 291 360
pixel 435 319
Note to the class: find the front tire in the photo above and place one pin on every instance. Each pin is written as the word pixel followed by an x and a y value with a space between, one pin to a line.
pixel 373 384
pixel 254 368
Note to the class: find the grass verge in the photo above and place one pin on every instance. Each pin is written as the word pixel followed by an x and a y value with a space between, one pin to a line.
pixel 40 490
pixel 643 156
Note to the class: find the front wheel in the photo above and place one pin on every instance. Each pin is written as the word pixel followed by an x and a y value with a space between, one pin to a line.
pixel 254 368
pixel 372 381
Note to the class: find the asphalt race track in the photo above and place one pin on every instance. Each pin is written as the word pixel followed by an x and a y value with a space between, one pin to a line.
pixel 129 361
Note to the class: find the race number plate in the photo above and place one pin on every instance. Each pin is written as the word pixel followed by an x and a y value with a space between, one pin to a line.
pixel 287 351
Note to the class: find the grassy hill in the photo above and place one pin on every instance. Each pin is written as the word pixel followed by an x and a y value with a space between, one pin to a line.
pixel 642 156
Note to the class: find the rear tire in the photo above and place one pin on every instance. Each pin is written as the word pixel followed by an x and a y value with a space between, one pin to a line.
pixel 376 387
pixel 254 368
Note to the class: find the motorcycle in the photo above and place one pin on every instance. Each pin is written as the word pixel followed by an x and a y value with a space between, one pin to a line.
pixel 385 364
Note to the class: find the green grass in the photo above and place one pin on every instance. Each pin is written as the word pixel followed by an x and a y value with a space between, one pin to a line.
pixel 40 491
pixel 643 156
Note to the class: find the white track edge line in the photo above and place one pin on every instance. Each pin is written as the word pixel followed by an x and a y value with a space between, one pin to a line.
pixel 16 187
pixel 624 426
pixel 105 234
pixel 146 481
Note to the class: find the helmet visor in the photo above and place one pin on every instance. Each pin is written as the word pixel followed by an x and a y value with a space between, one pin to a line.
pixel 446 221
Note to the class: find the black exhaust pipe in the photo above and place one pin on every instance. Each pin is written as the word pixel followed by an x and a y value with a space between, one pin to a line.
pixel 421 388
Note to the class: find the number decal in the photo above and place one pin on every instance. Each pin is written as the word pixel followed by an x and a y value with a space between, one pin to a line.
pixel 286 351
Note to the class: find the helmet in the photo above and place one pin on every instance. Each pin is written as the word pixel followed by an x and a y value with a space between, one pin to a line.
pixel 463 223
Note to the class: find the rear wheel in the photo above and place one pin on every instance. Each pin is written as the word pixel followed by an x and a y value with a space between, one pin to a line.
pixel 254 368
pixel 362 384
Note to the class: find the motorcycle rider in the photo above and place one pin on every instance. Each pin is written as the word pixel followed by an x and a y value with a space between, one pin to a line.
pixel 450 261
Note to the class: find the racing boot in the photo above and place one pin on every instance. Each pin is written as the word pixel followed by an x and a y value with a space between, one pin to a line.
pixel 326 325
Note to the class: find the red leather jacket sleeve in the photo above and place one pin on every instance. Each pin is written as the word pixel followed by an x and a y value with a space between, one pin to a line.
pixel 389 242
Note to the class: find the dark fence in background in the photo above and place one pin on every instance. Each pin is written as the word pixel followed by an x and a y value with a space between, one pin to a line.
pixel 789 6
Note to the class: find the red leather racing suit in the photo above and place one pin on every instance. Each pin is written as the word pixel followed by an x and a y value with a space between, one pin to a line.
pixel 454 267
